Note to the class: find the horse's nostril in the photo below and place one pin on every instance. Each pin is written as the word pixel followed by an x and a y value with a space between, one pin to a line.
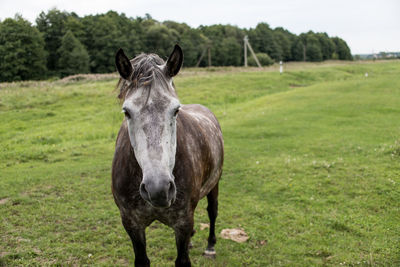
pixel 171 189
pixel 143 190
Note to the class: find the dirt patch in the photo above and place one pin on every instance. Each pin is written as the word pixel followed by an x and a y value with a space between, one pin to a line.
pixel 293 85
pixel 4 201
pixel 204 226
pixel 3 254
pixel 89 77
pixel 45 84
pixel 20 239
pixel 237 235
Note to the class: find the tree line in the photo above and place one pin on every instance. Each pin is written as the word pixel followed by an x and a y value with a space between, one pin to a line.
pixel 63 43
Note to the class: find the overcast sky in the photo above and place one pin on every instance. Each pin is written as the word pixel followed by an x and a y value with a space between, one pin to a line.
pixel 366 25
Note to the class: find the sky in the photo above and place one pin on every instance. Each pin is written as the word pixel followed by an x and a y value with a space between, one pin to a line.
pixel 368 26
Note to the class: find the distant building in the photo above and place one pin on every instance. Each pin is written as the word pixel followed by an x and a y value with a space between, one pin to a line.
pixel 380 55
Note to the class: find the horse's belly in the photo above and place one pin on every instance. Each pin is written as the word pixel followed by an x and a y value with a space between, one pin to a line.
pixel 210 183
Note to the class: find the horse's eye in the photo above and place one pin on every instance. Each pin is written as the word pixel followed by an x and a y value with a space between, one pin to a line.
pixel 176 111
pixel 127 115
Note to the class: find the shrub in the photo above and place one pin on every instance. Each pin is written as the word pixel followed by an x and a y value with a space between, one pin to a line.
pixel 263 58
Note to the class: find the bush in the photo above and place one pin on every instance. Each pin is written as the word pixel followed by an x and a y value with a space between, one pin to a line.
pixel 263 58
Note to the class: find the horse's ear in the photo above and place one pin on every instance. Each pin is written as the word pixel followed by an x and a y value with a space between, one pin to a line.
pixel 174 62
pixel 123 64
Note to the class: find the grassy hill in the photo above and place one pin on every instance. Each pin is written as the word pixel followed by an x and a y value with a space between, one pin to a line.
pixel 311 169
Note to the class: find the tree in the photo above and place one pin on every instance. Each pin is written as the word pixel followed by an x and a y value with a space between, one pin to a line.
pixel 75 25
pixel 103 37
pixel 231 51
pixel 52 25
pixel 342 50
pixel 193 42
pixel 74 58
pixel 130 32
pixel 159 39
pixel 263 40
pixel 215 34
pixel 326 44
pixel 313 52
pixel 285 45
pixel 22 54
pixel 286 40
pixel 307 46
pixel 297 49
pixel 226 44
pixel 181 28
pixel 313 47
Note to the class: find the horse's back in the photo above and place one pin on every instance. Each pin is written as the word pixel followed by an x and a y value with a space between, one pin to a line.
pixel 202 115
pixel 203 144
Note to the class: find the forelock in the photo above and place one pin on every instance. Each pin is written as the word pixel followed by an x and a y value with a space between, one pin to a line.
pixel 146 70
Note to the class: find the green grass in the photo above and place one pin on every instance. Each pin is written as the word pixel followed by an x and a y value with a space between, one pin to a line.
pixel 311 169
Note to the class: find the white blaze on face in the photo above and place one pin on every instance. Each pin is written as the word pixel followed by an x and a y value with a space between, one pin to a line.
pixel 152 130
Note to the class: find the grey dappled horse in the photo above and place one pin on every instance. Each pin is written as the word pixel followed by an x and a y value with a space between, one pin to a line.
pixel 167 156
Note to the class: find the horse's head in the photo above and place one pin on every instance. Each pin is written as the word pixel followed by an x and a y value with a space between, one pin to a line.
pixel 151 107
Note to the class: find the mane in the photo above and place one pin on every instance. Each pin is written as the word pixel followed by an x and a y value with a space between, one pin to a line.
pixel 146 70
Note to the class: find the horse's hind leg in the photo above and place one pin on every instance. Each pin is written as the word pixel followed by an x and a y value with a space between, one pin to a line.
pixel 212 209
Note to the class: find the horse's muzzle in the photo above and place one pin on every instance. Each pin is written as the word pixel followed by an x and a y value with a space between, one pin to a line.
pixel 160 192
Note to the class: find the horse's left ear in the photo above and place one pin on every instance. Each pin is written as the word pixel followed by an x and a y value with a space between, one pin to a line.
pixel 174 62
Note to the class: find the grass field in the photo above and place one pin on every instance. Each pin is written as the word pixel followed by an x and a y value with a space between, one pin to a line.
pixel 312 165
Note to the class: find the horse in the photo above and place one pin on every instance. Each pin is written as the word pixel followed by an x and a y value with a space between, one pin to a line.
pixel 167 155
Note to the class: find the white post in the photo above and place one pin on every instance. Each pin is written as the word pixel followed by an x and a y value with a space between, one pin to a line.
pixel 280 67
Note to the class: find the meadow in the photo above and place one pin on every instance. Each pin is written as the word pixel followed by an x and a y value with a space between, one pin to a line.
pixel 311 173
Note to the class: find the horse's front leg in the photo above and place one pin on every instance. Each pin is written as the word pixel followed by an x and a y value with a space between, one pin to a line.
pixel 138 238
pixel 183 233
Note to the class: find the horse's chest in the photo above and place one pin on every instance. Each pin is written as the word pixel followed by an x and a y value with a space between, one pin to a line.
pixel 146 214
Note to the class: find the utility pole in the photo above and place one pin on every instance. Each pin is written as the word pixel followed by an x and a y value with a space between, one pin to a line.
pixel 207 48
pixel 304 53
pixel 201 57
pixel 245 51
pixel 247 44
pixel 209 56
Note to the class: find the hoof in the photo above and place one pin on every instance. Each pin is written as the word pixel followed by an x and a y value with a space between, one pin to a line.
pixel 210 253
pixel 190 245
